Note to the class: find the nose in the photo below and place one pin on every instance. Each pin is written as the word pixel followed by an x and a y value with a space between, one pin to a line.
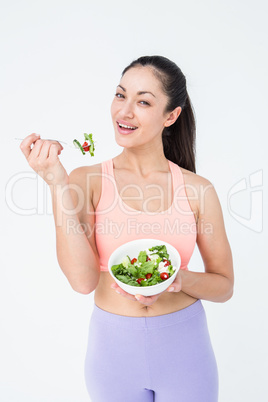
pixel 127 110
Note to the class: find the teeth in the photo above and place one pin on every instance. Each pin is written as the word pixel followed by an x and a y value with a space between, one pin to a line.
pixel 124 126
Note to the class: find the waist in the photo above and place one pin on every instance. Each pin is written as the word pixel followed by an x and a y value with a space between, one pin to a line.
pixel 108 300
pixel 151 321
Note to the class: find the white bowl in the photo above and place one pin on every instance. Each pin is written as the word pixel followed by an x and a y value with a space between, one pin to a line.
pixel 132 249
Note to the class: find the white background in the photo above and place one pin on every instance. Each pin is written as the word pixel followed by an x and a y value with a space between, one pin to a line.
pixel 60 64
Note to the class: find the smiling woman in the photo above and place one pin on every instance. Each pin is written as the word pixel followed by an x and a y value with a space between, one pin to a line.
pixel 154 123
pixel 149 190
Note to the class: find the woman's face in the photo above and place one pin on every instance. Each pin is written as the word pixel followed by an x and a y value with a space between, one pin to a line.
pixel 138 109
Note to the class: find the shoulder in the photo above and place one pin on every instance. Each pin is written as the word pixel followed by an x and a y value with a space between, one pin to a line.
pixel 191 178
pixel 86 175
pixel 81 173
pixel 200 191
pixel 85 183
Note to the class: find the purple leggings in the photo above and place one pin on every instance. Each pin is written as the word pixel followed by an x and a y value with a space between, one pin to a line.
pixel 166 358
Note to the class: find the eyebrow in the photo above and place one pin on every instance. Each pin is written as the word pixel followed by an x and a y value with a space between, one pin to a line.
pixel 138 93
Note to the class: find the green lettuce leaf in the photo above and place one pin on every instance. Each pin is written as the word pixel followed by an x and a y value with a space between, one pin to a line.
pixel 142 256
pixel 161 250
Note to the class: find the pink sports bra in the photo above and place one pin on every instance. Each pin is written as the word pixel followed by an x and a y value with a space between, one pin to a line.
pixel 116 223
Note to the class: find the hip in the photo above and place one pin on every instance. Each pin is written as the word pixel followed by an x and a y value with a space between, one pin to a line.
pixel 169 357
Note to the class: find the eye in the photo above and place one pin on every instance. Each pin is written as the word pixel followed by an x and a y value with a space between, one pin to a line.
pixel 118 95
pixel 145 103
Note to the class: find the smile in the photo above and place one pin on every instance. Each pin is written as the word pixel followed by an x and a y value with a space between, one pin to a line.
pixel 128 127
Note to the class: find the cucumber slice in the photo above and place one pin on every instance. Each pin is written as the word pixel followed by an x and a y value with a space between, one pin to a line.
pixel 88 137
pixel 79 146
pixel 126 261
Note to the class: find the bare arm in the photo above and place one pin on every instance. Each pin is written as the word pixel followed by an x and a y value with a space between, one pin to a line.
pixel 216 283
pixel 77 255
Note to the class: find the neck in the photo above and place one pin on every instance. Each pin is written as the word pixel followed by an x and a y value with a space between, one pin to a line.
pixel 143 161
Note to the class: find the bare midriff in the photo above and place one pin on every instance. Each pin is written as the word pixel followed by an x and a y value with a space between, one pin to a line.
pixel 107 299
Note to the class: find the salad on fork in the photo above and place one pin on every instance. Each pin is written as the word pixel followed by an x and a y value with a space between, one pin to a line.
pixel 88 145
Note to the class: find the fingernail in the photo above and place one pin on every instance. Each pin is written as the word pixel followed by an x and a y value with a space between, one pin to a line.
pixel 171 289
pixel 117 291
pixel 137 297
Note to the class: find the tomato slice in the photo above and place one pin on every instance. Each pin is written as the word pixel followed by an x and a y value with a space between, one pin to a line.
pixel 167 263
pixel 164 276
pixel 86 146
pixel 148 276
pixel 139 280
pixel 148 258
pixel 133 260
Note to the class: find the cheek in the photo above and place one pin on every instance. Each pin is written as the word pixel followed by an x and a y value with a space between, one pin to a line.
pixel 154 119
pixel 113 108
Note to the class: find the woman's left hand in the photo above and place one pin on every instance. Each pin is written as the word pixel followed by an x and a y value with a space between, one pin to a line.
pixel 149 300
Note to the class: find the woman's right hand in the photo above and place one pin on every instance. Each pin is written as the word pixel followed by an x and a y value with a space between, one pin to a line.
pixel 43 158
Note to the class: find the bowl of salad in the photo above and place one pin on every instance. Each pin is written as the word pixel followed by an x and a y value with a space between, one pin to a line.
pixel 144 266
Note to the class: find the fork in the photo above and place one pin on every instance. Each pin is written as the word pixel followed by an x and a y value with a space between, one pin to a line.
pixel 49 139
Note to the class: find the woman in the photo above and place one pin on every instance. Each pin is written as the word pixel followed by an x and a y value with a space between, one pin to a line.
pixel 142 348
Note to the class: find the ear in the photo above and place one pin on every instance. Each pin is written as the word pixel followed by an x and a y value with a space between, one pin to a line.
pixel 172 117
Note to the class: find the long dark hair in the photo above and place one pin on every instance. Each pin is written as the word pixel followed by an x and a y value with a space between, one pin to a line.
pixel 179 138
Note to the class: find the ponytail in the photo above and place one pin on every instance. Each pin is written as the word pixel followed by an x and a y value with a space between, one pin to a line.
pixel 179 139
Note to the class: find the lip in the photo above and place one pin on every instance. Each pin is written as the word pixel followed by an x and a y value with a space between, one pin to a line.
pixel 125 131
pixel 126 123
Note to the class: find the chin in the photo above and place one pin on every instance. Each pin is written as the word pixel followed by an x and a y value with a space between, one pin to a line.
pixel 124 144
pixel 124 141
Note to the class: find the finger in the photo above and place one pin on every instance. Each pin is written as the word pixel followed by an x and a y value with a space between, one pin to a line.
pixel 122 292
pixel 35 152
pixel 170 288
pixel 25 145
pixel 55 150
pixel 147 300
pixel 60 145
pixel 176 285
pixel 44 151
